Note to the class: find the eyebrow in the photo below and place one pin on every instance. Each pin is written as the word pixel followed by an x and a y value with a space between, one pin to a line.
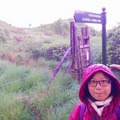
pixel 100 79
pixel 103 77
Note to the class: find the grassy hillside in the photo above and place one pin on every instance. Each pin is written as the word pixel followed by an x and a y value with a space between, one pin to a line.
pixel 23 45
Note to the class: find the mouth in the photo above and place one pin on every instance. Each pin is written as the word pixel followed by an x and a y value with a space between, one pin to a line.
pixel 99 94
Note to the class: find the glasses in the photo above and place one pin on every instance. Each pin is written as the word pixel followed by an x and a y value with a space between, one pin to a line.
pixel 103 83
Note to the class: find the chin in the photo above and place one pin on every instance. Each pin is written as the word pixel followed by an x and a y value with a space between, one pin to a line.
pixel 100 99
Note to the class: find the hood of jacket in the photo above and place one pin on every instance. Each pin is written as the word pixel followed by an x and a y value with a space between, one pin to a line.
pixel 89 72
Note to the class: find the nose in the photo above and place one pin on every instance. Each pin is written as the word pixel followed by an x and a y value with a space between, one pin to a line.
pixel 98 86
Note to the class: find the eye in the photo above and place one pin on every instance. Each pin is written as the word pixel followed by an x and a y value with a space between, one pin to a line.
pixel 92 81
pixel 104 81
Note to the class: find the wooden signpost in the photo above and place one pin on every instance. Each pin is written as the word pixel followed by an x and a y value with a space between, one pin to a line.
pixel 80 45
pixel 88 17
pixel 80 51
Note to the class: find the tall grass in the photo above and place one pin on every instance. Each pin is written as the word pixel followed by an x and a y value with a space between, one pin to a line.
pixel 11 109
pixel 26 96
pixel 59 99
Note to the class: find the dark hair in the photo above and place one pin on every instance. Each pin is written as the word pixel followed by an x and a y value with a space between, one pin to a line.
pixel 114 87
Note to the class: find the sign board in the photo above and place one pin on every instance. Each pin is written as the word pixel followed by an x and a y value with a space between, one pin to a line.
pixel 87 17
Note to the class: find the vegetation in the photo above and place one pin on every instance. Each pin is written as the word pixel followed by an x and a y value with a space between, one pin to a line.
pixel 113 47
pixel 28 57
pixel 26 95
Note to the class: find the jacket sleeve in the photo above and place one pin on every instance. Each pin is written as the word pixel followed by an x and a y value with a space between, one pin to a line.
pixel 75 114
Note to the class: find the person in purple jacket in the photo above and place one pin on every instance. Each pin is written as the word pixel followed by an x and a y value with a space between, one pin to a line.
pixel 100 94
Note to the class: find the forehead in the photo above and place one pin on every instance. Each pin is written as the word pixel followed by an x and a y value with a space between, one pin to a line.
pixel 100 75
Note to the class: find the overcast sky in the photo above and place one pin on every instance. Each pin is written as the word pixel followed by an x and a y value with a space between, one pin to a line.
pixel 21 13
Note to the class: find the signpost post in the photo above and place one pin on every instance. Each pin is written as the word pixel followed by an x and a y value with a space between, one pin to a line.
pixel 88 17
pixel 104 36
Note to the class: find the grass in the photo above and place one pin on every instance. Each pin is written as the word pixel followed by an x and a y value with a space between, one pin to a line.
pixel 26 96
pixel 10 109
pixel 57 102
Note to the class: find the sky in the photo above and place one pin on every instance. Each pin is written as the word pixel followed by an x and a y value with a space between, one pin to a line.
pixel 22 13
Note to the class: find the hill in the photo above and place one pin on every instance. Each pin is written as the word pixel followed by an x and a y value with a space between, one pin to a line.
pixel 29 43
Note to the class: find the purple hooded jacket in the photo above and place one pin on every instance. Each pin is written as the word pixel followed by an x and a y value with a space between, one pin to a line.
pixel 108 111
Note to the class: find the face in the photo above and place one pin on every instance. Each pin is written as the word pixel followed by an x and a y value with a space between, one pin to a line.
pixel 99 92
